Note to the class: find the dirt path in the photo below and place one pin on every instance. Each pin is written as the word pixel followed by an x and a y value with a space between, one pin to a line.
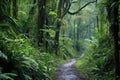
pixel 67 71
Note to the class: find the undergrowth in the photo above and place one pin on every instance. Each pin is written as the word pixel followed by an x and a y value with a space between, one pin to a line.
pixel 98 61
pixel 20 60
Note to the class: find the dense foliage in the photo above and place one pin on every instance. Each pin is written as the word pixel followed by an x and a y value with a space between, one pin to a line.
pixel 21 58
pixel 101 57
pixel 37 35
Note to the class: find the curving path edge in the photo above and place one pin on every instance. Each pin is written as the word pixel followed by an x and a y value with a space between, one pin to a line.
pixel 67 71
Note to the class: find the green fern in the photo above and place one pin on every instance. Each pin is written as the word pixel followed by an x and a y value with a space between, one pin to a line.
pixel 3 56
pixel 7 76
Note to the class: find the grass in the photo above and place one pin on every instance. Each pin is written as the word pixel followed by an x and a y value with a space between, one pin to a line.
pixel 85 66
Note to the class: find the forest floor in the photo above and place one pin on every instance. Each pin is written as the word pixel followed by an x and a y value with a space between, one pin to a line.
pixel 68 71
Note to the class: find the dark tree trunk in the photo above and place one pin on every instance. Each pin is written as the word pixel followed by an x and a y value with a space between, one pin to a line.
pixel 57 37
pixel 59 13
pixel 97 18
pixel 41 20
pixel 74 32
pixel 47 35
pixel 78 31
pixel 113 17
pixel 15 8
pixel 115 26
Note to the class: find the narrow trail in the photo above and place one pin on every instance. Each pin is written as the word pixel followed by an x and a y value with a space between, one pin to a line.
pixel 67 71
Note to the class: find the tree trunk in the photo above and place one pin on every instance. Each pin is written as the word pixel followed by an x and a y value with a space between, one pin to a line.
pixel 115 26
pixel 57 37
pixel 74 33
pixel 113 17
pixel 41 21
pixel 15 8
pixel 59 13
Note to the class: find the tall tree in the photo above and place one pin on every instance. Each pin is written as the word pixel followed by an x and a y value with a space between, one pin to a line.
pixel 41 20
pixel 113 17
pixel 59 13
pixel 115 26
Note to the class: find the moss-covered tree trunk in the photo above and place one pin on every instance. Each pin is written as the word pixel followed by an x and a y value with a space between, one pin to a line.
pixel 59 14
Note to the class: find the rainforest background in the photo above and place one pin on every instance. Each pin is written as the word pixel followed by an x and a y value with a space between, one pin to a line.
pixel 38 35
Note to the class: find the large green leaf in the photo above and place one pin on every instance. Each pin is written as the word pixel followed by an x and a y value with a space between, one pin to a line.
pixel 7 76
pixel 4 24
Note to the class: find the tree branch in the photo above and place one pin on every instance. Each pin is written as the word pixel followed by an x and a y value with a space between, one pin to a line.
pixel 74 1
pixel 67 8
pixel 72 13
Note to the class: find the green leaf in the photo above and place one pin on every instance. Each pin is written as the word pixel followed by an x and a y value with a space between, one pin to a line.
pixel 53 13
pixel 7 76
pixel 4 24
pixel 3 56
pixel 50 31
pixel 114 4
pixel 27 77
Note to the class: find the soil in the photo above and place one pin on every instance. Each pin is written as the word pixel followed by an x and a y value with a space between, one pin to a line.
pixel 68 71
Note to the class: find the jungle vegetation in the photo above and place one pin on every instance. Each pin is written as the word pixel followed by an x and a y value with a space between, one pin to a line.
pixel 38 35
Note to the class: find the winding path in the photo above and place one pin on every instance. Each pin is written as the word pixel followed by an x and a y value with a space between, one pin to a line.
pixel 67 71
